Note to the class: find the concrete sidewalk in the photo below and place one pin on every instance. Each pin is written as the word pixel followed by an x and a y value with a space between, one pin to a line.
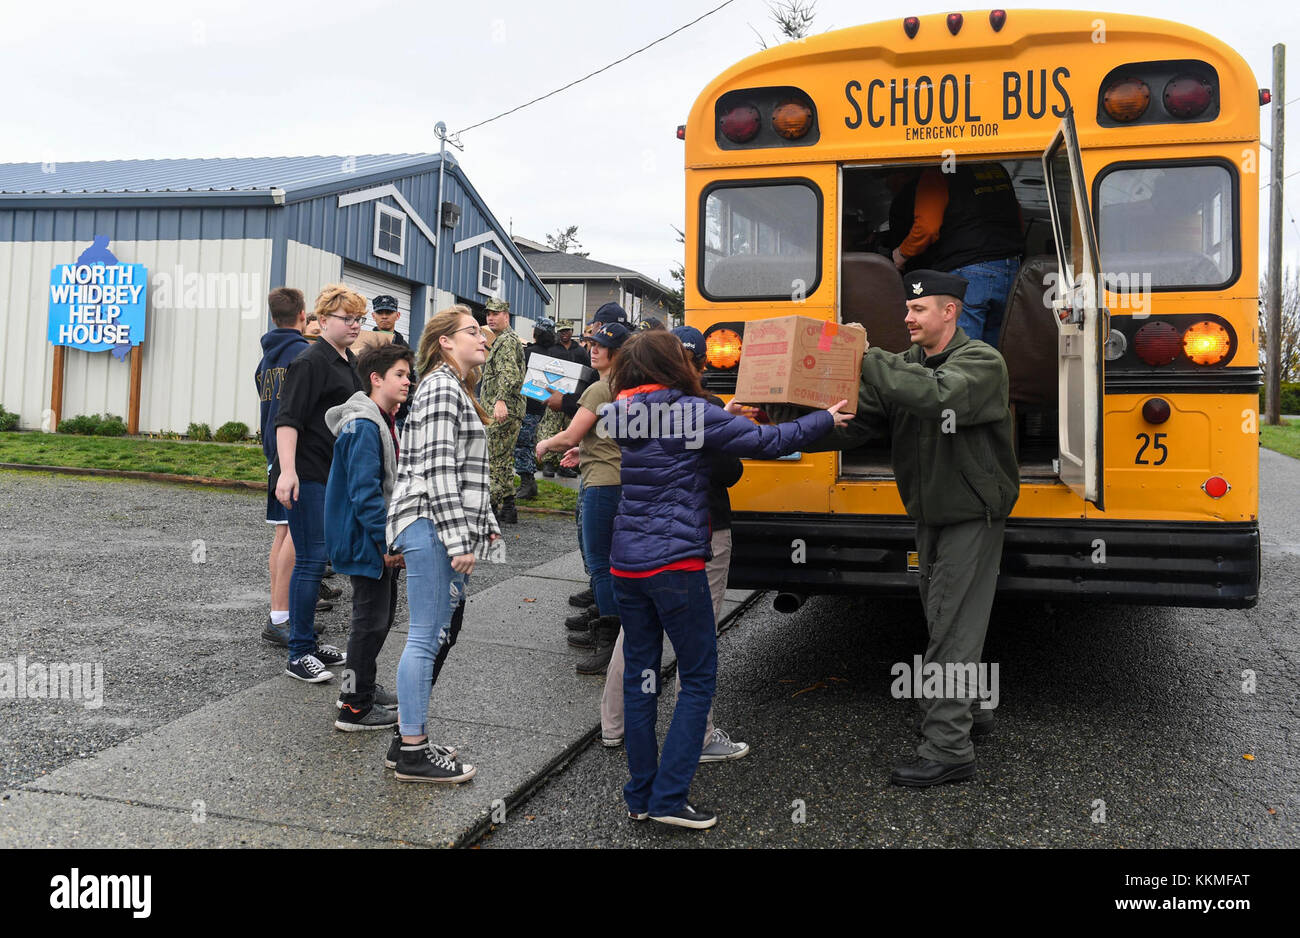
pixel 265 767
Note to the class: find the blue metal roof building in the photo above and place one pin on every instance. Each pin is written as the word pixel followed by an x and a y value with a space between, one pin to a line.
pixel 216 235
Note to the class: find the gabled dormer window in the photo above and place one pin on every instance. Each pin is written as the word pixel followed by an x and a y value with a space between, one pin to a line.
pixel 390 233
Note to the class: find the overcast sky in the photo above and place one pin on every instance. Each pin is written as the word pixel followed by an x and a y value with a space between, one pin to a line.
pixel 149 79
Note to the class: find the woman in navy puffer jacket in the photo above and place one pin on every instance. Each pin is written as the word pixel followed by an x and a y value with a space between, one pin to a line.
pixel 661 540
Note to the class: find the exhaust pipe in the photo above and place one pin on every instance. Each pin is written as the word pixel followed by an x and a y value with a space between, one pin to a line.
pixel 788 602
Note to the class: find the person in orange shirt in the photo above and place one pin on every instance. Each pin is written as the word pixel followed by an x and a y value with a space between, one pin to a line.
pixel 968 223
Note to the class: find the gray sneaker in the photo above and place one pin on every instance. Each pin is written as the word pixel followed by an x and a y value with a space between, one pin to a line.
pixel 722 749
pixel 376 718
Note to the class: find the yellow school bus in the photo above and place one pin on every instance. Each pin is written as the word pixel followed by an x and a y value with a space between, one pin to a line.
pixel 1130 332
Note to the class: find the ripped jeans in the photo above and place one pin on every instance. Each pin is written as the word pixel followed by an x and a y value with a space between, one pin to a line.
pixel 433 592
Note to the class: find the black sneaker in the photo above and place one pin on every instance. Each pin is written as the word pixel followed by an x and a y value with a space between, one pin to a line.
pixel 688 816
pixel 376 718
pixel 324 605
pixel 308 668
pixel 584 599
pixel 329 593
pixel 395 747
pixel 330 656
pixel 421 763
pixel 582 621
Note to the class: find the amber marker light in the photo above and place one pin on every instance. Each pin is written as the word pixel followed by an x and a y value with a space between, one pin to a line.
pixel 791 119
pixel 1126 100
pixel 722 348
pixel 1206 343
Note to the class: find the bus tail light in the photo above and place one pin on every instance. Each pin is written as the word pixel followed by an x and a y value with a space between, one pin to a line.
pixel 792 119
pixel 1126 100
pixel 954 23
pixel 722 348
pixel 1216 487
pixel 741 123
pixel 1157 343
pixel 911 25
pixel 1187 96
pixel 1206 343
pixel 997 19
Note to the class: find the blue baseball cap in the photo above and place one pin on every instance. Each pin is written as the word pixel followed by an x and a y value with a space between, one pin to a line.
pixel 692 339
pixel 611 334
pixel 611 312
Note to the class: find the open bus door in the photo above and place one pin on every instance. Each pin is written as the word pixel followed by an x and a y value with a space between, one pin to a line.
pixel 1081 320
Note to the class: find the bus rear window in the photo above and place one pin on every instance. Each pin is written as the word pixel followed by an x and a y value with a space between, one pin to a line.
pixel 1174 222
pixel 760 241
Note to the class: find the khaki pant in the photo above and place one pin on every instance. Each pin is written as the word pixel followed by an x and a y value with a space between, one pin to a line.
pixel 959 577
pixel 611 701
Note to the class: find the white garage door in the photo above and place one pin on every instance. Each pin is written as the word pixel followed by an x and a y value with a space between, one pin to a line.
pixel 370 285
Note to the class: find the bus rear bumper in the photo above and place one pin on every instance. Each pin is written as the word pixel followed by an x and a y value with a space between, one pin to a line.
pixel 1203 564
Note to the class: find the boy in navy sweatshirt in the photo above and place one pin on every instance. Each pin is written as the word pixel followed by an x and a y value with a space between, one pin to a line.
pixel 357 494
pixel 279 347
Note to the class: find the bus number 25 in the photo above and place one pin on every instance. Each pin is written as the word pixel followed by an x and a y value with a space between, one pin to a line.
pixel 1157 444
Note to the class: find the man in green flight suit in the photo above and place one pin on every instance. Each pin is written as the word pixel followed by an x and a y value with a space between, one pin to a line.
pixel 503 376
pixel 943 404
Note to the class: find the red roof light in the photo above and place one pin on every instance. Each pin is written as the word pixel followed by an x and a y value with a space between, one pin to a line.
pixel 997 19
pixel 954 23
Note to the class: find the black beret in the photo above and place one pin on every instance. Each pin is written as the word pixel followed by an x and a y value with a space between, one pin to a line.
pixel 921 283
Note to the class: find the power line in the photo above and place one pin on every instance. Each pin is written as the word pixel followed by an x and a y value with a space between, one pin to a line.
pixel 597 71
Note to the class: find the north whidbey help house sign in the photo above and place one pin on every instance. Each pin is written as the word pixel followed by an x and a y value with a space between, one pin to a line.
pixel 97 307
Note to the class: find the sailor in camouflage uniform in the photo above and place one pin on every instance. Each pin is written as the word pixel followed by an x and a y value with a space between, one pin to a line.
pixel 503 376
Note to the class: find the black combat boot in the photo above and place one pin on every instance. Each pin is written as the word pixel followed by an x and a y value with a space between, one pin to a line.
pixel 584 599
pixel 527 487
pixel 582 621
pixel 508 514
pixel 605 630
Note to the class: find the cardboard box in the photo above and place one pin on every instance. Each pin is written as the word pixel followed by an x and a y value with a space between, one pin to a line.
pixel 801 360
pixel 544 375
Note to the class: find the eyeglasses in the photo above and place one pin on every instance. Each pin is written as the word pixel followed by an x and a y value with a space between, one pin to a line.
pixel 350 320
pixel 474 331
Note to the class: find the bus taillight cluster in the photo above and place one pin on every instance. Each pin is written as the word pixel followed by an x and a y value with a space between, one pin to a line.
pixel 1189 91
pixel 1202 343
pixel 765 117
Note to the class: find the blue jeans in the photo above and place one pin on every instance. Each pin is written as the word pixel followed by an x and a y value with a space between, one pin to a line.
pixel 676 602
pixel 986 297
pixel 599 505
pixel 433 591
pixel 577 519
pixel 307 528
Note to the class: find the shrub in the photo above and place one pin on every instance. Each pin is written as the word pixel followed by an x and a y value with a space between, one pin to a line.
pixel 1289 398
pixel 111 426
pixel 199 431
pixel 84 424
pixel 8 421
pixel 231 432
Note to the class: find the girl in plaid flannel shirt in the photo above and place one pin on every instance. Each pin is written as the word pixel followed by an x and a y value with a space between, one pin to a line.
pixel 439 518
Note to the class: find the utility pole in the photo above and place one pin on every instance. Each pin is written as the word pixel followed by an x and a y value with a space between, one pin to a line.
pixel 1274 276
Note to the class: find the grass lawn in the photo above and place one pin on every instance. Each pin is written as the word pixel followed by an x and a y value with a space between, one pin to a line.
pixel 241 461
pixel 1284 439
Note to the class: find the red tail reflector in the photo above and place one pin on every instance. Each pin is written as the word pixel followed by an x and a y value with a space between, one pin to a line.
pixel 1216 487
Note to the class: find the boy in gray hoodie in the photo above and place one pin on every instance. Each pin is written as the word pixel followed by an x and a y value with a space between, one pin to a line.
pixel 356 511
